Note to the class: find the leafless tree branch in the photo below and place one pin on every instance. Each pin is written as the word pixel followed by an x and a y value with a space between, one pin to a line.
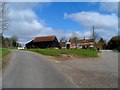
pixel 3 17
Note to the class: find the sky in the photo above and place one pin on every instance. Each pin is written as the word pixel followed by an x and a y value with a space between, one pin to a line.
pixel 28 20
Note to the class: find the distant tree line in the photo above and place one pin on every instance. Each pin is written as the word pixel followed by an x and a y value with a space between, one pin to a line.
pixel 113 43
pixel 11 42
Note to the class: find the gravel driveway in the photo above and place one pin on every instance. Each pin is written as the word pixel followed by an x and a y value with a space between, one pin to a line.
pixel 99 72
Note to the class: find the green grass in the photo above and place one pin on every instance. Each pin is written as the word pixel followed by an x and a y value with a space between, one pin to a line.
pixel 58 52
pixel 4 52
pixel 115 50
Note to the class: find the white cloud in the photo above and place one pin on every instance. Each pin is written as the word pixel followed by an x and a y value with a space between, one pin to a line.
pixel 103 23
pixel 28 5
pixel 88 19
pixel 111 7
pixel 20 15
pixel 26 25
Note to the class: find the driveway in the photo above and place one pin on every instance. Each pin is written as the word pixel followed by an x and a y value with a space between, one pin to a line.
pixel 31 70
pixel 99 72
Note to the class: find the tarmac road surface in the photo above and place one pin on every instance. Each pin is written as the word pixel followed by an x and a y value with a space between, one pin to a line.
pixel 30 70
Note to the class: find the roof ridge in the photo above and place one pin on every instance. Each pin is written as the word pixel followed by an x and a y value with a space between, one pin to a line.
pixel 44 38
pixel 47 36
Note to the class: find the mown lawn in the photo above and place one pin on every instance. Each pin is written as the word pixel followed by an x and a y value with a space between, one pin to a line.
pixel 4 52
pixel 58 52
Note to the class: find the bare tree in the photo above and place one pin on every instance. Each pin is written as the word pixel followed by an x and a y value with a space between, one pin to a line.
pixel 96 36
pixel 74 39
pixel 101 43
pixel 63 39
pixel 10 42
pixel 14 40
pixel 3 21
pixel 3 17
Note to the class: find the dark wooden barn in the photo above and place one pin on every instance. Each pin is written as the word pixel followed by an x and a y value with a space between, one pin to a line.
pixel 44 42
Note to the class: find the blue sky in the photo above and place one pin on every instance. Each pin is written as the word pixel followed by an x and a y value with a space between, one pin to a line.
pixel 29 20
pixel 53 15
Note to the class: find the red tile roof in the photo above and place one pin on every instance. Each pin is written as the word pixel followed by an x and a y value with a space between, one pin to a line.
pixel 85 40
pixel 63 44
pixel 82 41
pixel 44 39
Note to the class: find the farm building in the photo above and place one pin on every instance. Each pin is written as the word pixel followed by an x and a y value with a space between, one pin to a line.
pixel 44 42
pixel 63 44
pixel 83 43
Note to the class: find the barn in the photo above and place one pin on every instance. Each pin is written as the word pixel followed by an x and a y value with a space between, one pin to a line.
pixel 44 42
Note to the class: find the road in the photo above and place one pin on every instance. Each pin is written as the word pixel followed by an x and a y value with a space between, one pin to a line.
pixel 101 72
pixel 30 70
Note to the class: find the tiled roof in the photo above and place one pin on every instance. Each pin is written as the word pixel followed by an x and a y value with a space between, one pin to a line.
pixel 63 44
pixel 86 44
pixel 85 40
pixel 82 41
pixel 44 39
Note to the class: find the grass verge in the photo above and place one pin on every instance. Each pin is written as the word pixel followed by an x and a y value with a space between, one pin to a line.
pixel 3 53
pixel 58 52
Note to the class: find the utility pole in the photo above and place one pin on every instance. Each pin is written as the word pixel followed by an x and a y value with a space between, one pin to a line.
pixel 93 36
pixel 93 31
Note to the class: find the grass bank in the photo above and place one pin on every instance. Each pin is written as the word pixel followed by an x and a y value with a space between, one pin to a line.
pixel 3 52
pixel 58 52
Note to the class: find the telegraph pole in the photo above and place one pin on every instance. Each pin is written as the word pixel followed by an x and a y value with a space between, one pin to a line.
pixel 93 36
pixel 93 33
